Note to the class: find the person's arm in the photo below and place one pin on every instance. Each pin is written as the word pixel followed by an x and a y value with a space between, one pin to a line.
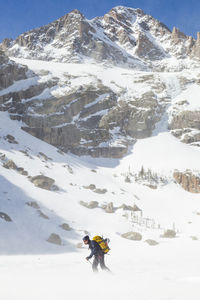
pixel 94 249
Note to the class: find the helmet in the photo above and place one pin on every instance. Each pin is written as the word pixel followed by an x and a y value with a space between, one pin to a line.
pixel 86 238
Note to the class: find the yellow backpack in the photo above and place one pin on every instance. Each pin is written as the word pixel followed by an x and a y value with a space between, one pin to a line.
pixel 103 243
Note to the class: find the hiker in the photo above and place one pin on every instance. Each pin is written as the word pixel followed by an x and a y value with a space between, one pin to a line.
pixel 97 252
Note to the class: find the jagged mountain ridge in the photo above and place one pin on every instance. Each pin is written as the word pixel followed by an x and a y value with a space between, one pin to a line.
pixel 124 36
pixel 95 107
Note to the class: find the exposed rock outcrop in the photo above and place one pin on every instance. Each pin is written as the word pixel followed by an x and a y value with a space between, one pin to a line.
pixel 55 239
pixel 182 45
pixel 10 71
pixel 42 215
pixel 93 188
pixel 169 233
pixel 186 119
pixel 10 165
pixel 100 191
pixel 90 187
pixel 5 217
pixel 186 126
pixel 196 47
pixel 109 208
pixel 153 52
pixel 135 236
pixel 91 204
pixel 22 171
pixel 151 242
pixel 137 118
pixel 177 35
pixel 43 182
pixel 11 139
pixel 129 207
pixel 189 181
pixel 33 204
pixel 66 227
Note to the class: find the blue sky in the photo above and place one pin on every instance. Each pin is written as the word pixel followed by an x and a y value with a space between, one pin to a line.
pixel 18 16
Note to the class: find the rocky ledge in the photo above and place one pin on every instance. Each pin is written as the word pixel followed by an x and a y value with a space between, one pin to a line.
pixel 188 180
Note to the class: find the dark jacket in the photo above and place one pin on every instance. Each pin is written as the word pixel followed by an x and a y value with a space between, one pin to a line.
pixel 95 249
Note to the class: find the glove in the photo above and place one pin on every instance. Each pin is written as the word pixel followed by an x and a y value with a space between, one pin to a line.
pixel 87 258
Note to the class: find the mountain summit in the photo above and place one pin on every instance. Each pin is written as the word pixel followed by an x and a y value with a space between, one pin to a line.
pixel 124 36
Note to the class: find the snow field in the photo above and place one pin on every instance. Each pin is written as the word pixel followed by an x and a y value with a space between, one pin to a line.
pixel 36 269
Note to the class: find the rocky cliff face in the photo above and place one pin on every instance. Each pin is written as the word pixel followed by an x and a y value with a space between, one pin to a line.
pixel 196 48
pixel 189 181
pixel 92 118
pixel 184 121
pixel 187 126
pixel 10 71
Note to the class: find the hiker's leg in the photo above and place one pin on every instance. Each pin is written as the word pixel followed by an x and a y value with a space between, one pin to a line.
pixel 102 263
pixel 95 264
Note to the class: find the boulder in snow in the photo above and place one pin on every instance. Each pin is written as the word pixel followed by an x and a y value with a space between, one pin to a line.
pixel 90 187
pixel 151 242
pixel 44 156
pixel 100 191
pixel 109 208
pixel 66 227
pixel 5 217
pixel 43 182
pixel 11 139
pixel 91 204
pixel 22 171
pixel 128 207
pixel 169 233
pixel 55 239
pixel 33 204
pixel 69 169
pixel 10 165
pixel 194 238
pixel 135 236
pixel 42 215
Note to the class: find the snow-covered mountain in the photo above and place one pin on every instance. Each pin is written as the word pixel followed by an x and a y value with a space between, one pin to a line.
pixel 124 70
pixel 124 36
pixel 100 134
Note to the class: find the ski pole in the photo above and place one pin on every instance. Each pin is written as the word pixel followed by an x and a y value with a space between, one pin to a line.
pixel 89 261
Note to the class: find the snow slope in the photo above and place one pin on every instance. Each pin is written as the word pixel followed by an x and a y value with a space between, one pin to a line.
pixel 166 271
pixel 37 269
